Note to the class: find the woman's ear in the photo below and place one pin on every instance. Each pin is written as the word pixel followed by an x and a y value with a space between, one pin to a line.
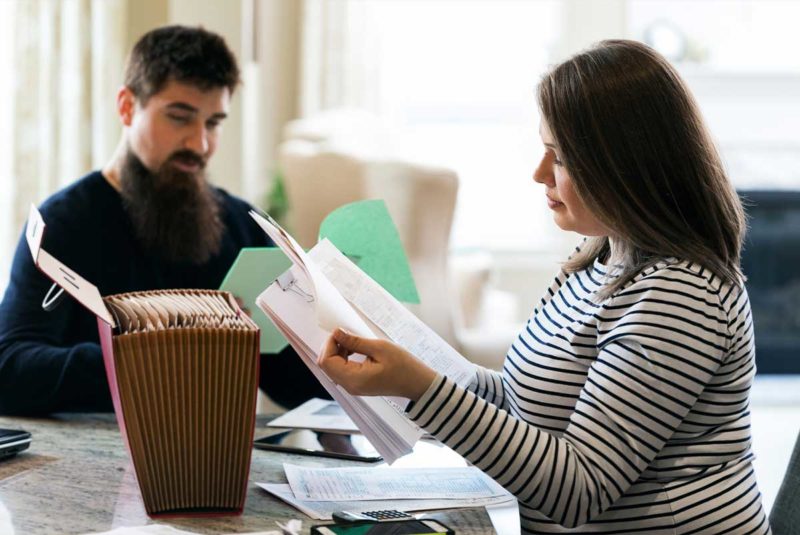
pixel 126 105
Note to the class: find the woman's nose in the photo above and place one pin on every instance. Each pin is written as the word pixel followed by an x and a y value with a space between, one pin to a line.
pixel 543 174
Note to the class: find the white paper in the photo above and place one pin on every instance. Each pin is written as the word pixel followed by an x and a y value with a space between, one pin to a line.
pixel 319 415
pixel 384 425
pixel 356 483
pixel 307 324
pixel 164 529
pixel 330 308
pixel 389 315
pixel 82 290
pixel 324 510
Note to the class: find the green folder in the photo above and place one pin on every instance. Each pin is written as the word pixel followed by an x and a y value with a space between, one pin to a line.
pixel 253 270
pixel 363 231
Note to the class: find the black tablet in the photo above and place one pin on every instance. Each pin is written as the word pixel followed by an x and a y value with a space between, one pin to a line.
pixel 13 441
pixel 306 442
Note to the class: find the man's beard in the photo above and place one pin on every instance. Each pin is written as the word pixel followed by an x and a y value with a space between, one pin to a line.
pixel 175 215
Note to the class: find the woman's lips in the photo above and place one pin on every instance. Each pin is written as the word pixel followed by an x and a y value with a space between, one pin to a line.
pixel 552 203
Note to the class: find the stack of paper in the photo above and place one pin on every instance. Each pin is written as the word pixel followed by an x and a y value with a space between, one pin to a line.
pixel 319 492
pixel 324 290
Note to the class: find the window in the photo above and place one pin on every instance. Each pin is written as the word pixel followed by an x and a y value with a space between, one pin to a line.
pixel 739 58
pixel 458 79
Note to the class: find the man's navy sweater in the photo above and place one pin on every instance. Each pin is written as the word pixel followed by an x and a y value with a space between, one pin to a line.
pixel 51 361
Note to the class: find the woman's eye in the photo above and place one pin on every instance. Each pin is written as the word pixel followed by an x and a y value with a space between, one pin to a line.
pixel 557 161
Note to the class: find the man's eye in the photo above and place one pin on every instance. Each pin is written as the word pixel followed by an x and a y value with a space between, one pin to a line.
pixel 178 118
pixel 211 125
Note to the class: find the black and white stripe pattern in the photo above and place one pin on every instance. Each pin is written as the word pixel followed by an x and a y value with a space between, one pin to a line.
pixel 628 415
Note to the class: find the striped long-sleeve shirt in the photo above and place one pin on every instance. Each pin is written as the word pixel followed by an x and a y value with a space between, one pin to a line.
pixel 623 415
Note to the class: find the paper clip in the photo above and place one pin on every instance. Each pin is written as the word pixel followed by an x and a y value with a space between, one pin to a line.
pixel 51 300
pixel 287 282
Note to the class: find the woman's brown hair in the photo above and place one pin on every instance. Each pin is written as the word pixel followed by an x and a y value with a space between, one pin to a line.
pixel 640 157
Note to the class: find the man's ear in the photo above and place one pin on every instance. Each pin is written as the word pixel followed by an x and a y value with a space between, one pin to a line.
pixel 126 105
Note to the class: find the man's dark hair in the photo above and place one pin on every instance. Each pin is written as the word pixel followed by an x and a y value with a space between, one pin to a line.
pixel 189 55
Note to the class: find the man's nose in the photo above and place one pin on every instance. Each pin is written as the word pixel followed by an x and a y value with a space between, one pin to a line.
pixel 197 140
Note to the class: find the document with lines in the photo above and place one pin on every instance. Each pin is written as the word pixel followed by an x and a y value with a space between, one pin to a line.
pixel 324 290
pixel 320 510
pixel 357 483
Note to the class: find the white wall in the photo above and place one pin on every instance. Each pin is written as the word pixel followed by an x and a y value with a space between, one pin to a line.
pixel 224 18
pixel 270 93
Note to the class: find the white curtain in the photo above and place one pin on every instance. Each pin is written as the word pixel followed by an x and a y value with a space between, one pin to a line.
pixel 340 63
pixel 59 63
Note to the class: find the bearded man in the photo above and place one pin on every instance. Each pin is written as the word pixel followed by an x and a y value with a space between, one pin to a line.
pixel 148 220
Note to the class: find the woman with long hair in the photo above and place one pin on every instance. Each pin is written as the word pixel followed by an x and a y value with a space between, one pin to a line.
pixel 622 406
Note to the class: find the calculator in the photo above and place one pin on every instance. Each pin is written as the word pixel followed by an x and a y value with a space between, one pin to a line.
pixel 379 516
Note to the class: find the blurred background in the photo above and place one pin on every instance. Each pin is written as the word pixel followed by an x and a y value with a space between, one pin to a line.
pixel 431 106
pixel 347 99
pixel 334 88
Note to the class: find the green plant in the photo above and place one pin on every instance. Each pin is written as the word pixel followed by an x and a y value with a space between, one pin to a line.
pixel 276 203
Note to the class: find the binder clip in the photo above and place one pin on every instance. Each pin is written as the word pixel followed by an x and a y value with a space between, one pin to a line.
pixel 288 283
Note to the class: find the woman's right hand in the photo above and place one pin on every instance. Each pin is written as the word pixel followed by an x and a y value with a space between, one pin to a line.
pixel 387 370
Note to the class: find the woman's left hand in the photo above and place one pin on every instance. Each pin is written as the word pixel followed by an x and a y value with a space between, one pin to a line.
pixel 388 370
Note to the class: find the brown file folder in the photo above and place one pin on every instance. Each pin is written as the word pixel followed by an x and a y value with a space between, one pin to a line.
pixel 182 367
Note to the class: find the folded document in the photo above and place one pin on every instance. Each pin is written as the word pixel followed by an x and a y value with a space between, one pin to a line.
pixel 324 290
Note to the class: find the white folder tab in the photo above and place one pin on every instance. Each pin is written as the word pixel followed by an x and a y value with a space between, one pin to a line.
pixel 82 290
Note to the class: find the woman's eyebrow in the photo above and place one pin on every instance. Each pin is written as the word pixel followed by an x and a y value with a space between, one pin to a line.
pixel 550 145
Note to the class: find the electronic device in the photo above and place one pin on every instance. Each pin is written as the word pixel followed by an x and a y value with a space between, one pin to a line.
pixel 396 527
pixel 388 515
pixel 306 442
pixel 13 441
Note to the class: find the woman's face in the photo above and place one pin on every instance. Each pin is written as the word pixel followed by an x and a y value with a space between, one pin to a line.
pixel 569 211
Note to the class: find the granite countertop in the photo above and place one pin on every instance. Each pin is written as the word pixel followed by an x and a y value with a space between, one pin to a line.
pixel 77 478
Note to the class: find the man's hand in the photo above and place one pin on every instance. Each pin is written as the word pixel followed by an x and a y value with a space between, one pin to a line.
pixel 388 370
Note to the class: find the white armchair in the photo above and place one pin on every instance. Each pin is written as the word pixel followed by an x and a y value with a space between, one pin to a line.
pixel 420 198
pixel 476 302
pixel 494 296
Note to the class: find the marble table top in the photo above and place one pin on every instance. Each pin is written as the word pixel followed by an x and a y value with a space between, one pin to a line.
pixel 77 478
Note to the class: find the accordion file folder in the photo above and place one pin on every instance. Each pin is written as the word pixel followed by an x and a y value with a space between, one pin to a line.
pixel 182 367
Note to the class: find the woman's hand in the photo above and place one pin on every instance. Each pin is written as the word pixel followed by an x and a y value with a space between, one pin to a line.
pixel 388 370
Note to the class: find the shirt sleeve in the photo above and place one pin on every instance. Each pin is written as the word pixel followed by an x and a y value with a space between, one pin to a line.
pixel 40 372
pixel 488 384
pixel 659 344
